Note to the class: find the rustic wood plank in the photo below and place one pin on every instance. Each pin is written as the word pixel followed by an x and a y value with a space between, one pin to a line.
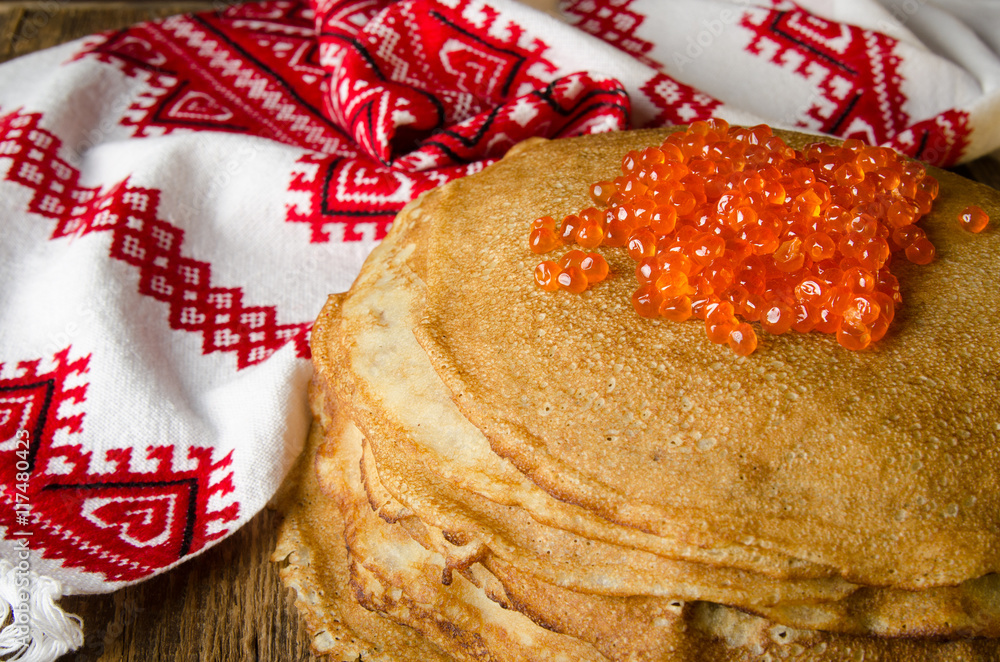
pixel 985 170
pixel 10 18
pixel 227 604
pixel 31 26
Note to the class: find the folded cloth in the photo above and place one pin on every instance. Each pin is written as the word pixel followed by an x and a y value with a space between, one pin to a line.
pixel 178 198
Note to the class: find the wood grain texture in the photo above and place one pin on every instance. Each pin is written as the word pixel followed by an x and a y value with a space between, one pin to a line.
pixel 30 26
pixel 985 170
pixel 227 604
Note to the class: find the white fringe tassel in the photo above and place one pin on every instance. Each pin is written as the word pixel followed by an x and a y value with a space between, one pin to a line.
pixel 39 630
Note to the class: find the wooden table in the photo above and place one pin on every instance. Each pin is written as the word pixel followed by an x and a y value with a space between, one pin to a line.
pixel 227 604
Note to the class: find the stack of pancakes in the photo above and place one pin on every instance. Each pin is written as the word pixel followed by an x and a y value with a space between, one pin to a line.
pixel 503 473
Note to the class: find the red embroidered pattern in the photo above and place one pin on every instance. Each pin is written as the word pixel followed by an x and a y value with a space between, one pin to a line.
pixel 146 242
pixel 348 199
pixel 856 74
pixel 370 194
pixel 124 517
pixel 430 92
pixel 250 70
pixel 614 22
pixel 855 71
pixel 389 98
pixel 940 140
pixel 678 103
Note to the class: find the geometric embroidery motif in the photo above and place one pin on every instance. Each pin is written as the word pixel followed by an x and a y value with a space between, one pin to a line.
pixel 615 23
pixel 148 243
pixel 612 22
pixel 678 103
pixel 244 71
pixel 431 91
pixel 124 516
pixel 386 99
pixel 855 73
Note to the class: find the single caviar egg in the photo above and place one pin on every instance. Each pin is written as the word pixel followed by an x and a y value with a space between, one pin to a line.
pixel 567 231
pixel 546 274
pixel 706 247
pixel 854 336
pixel 544 222
pixel 663 220
pixel 789 256
pixel 858 279
pixel 572 279
pixel 648 270
pixel 973 219
pixel 590 234
pixel 602 192
pixel 805 317
pixel 641 243
pixel 827 321
pixel 676 308
pixel 595 267
pixel 543 240
pixel 862 310
pixel 672 283
pixel 646 301
pixel 573 258
pixel 777 318
pixel 742 339
pixel 819 246
pixel 812 290
pixel 683 201
pixel 901 213
pixel 921 251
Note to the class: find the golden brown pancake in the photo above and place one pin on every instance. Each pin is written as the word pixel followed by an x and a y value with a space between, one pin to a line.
pixel 328 526
pixel 625 485
pixel 880 463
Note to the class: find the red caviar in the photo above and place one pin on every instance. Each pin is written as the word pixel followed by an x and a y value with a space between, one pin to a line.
pixel 730 225
pixel 973 219
pixel 572 279
pixel 595 267
pixel 546 274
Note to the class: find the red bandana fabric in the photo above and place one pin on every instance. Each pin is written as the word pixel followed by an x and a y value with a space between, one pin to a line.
pixel 178 198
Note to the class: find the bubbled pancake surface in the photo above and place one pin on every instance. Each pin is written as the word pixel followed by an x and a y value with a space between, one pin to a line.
pixel 881 464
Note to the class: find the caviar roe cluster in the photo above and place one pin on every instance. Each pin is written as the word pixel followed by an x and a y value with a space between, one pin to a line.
pixel 730 225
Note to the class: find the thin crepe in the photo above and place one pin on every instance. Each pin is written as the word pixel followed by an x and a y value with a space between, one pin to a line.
pixel 531 520
pixel 882 464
